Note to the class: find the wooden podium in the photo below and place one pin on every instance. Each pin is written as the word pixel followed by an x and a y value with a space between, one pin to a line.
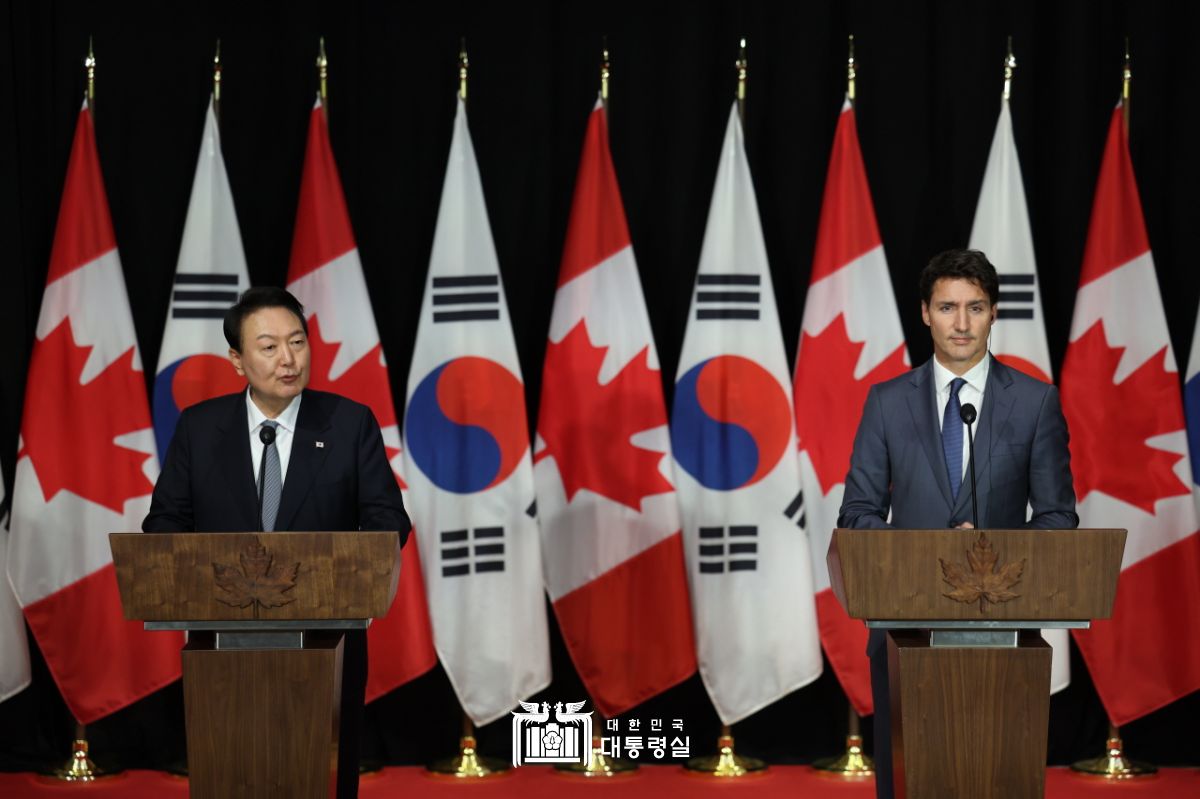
pixel 262 668
pixel 969 670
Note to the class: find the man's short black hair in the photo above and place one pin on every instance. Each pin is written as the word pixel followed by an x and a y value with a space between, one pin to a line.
pixel 255 299
pixel 969 265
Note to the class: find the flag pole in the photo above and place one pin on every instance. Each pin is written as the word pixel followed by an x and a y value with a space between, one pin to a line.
pixel 741 66
pixel 216 92
pixel 468 764
pixel 1010 69
pixel 1113 765
pixel 851 73
pixel 1126 85
pixel 605 71
pixel 599 764
pixel 463 65
pixel 853 762
pixel 89 64
pixel 323 74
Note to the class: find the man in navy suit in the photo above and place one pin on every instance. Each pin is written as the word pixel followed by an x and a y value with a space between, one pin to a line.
pixel 323 469
pixel 909 467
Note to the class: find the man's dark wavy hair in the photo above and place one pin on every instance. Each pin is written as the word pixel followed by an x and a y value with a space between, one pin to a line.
pixel 255 299
pixel 969 265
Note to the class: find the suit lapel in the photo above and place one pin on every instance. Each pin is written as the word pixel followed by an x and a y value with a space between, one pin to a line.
pixel 306 458
pixel 997 405
pixel 234 463
pixel 924 414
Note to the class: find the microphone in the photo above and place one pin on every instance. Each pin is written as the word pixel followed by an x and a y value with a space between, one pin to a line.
pixel 267 434
pixel 968 414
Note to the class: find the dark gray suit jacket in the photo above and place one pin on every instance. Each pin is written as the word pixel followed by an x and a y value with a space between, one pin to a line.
pixel 1021 455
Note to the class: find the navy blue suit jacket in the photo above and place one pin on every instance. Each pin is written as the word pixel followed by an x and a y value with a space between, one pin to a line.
pixel 1021 454
pixel 207 482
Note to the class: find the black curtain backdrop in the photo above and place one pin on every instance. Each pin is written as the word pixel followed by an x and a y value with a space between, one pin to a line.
pixel 929 88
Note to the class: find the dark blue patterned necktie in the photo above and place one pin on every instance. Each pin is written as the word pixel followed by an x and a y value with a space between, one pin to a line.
pixel 952 436
pixel 272 482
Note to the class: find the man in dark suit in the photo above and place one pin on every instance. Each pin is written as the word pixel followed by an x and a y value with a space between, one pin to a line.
pixel 280 457
pixel 909 464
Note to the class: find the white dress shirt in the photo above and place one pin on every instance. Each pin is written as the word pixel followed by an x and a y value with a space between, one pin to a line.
pixel 971 392
pixel 284 434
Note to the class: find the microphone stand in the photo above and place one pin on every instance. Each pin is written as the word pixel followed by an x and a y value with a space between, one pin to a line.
pixel 968 416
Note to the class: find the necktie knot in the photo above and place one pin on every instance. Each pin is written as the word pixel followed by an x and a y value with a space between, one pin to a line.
pixel 956 385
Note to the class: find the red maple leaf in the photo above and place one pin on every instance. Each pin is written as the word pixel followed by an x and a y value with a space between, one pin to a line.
pixel 587 426
pixel 69 428
pixel 1110 423
pixel 829 399
pixel 366 381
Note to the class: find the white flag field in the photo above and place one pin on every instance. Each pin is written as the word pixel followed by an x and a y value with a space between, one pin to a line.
pixel 1001 231
pixel 467 458
pixel 737 473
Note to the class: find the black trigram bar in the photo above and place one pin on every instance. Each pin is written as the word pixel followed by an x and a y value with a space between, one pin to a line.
pixel 489 549
pixel 205 296
pixel 728 280
pixel 489 566
pixel 728 296
pixel 712 568
pixel 455 553
pixel 465 316
pixel 1014 313
pixel 712 532
pixel 1016 296
pixel 457 570
pixel 206 279
pixel 743 529
pixel 449 536
pixel 726 313
pixel 743 565
pixel 711 550
pixel 743 548
pixel 531 511
pixel 467 298
pixel 489 532
pixel 463 281
pixel 1016 280
pixel 198 313
pixel 796 506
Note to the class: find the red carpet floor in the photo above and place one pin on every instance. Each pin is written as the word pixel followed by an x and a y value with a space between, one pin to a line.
pixel 661 782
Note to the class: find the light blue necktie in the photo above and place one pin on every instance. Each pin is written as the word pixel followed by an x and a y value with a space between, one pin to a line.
pixel 272 481
pixel 952 437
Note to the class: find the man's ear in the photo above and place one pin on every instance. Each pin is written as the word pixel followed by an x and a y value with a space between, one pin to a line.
pixel 235 358
pixel 924 314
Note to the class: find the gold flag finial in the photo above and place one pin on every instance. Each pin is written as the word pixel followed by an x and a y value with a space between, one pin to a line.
pixel 605 70
pixel 323 72
pixel 217 76
pixel 463 65
pixel 741 66
pixel 1126 83
pixel 89 64
pixel 851 71
pixel 1010 68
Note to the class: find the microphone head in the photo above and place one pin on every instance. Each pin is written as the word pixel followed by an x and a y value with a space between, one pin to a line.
pixel 267 434
pixel 968 414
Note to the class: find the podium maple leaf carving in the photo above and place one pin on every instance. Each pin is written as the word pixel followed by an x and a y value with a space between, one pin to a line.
pixel 980 580
pixel 258 580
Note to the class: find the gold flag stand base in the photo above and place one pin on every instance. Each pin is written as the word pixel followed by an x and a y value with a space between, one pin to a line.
pixel 726 763
pixel 1113 765
pixel 599 764
pixel 80 767
pixel 851 763
pixel 469 764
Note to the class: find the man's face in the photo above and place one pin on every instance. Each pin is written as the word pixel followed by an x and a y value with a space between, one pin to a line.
pixel 960 316
pixel 274 357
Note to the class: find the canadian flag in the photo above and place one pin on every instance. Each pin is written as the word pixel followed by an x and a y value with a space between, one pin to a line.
pixel 466 442
pixel 1121 398
pixel 611 543
pixel 326 276
pixel 850 339
pixel 192 364
pixel 735 456
pixel 86 464
pixel 14 652
pixel 1001 231
pixel 1191 402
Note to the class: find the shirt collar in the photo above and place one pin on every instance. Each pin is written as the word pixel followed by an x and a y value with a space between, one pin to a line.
pixel 286 420
pixel 976 376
